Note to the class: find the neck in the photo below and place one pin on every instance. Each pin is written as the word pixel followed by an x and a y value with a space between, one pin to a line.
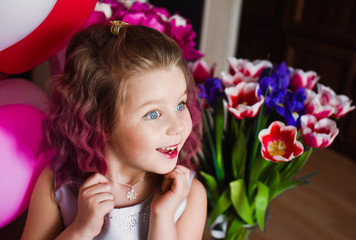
pixel 122 172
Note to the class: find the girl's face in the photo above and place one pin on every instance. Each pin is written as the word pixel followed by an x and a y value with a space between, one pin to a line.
pixel 154 122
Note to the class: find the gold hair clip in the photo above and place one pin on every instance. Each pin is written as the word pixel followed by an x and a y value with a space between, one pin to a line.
pixel 116 25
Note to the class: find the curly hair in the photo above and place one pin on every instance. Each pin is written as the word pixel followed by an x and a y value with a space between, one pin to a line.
pixel 85 100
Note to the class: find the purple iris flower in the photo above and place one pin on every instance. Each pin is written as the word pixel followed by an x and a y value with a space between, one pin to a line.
pixel 281 75
pixel 269 89
pixel 274 87
pixel 211 90
pixel 293 107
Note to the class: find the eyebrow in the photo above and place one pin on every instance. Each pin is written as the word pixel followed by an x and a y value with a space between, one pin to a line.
pixel 154 101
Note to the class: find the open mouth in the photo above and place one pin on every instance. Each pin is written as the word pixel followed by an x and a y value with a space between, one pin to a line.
pixel 169 151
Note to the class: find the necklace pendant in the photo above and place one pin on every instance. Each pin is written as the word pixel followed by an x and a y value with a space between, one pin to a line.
pixel 131 195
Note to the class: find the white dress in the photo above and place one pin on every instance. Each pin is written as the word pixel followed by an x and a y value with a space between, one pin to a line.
pixel 128 223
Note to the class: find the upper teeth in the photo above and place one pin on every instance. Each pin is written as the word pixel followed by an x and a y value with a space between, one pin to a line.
pixel 169 148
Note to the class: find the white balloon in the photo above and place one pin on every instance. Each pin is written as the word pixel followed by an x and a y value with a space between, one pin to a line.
pixel 18 18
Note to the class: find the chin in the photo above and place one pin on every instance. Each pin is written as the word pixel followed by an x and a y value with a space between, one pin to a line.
pixel 166 168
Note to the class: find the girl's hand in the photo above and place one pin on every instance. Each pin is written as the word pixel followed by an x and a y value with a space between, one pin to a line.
pixel 175 188
pixel 95 200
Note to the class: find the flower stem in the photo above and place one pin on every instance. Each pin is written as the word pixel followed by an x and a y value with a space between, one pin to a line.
pixel 212 145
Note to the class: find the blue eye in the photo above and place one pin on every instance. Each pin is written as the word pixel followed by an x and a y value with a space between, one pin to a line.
pixel 153 115
pixel 180 106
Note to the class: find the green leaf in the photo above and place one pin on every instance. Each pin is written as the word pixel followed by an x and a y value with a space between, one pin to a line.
pixel 239 200
pixel 233 227
pixel 239 154
pixel 221 206
pixel 261 203
pixel 211 185
pixel 275 192
pixel 208 130
pixel 261 123
pixel 262 169
pixel 275 179
pixel 219 130
pixel 296 165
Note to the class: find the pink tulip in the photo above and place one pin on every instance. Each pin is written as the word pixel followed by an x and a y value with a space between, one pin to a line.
pixel 201 70
pixel 243 100
pixel 318 133
pixel 279 142
pixel 299 78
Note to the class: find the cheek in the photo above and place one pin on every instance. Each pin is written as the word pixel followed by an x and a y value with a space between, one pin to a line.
pixel 188 124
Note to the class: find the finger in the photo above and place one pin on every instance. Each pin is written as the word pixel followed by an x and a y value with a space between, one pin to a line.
pixel 184 173
pixel 184 170
pixel 95 189
pixel 177 181
pixel 96 178
pixel 102 197
pixel 166 183
pixel 107 206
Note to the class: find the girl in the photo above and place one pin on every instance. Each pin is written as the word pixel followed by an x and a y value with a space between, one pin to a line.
pixel 122 115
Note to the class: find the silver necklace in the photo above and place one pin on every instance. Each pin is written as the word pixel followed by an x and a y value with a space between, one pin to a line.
pixel 132 194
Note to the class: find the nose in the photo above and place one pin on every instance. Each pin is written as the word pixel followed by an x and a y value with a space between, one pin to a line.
pixel 175 125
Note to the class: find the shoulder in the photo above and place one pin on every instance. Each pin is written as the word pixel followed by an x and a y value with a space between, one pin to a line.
pixel 43 218
pixel 45 184
pixel 197 197
pixel 192 222
pixel 197 189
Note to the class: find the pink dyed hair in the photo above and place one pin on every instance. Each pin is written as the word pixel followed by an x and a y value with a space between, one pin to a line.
pixel 85 100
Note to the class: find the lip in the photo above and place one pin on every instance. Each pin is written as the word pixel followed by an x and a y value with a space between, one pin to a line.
pixel 170 155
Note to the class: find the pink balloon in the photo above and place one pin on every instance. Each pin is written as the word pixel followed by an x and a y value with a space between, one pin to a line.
pixel 20 91
pixel 20 166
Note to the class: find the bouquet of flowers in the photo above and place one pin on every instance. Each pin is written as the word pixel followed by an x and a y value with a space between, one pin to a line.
pixel 261 123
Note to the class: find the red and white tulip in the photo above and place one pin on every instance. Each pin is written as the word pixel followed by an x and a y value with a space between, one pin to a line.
pixel 318 133
pixel 316 105
pixel 243 100
pixel 299 78
pixel 279 143
pixel 343 106
pixel 242 70
pixel 340 103
pixel 201 70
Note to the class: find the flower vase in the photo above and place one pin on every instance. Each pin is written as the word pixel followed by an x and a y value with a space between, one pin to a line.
pixel 219 227
pixel 245 232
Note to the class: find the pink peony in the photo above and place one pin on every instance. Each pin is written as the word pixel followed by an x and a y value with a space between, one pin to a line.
pixel 148 15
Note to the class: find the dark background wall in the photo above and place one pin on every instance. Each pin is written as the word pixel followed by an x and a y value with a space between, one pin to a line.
pixel 189 9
